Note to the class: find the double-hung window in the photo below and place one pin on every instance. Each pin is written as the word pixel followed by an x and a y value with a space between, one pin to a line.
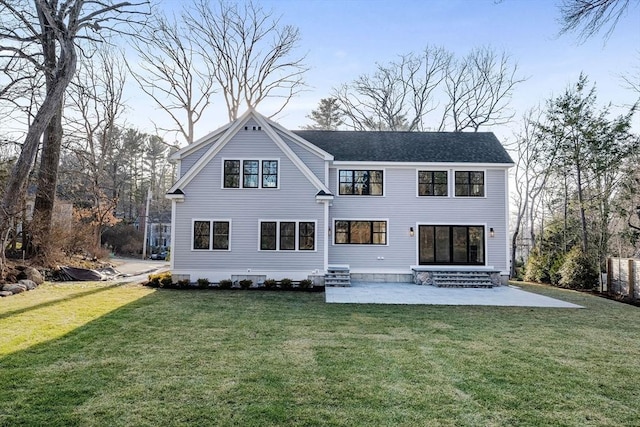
pixel 433 183
pixel 360 182
pixel 287 235
pixel 357 232
pixel 250 173
pixel 211 235
pixel 469 183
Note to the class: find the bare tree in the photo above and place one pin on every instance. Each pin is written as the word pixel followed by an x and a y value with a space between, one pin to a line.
pixel 249 53
pixel 532 171
pixel 96 98
pixel 30 34
pixel 589 17
pixel 398 95
pixel 171 76
pixel 479 88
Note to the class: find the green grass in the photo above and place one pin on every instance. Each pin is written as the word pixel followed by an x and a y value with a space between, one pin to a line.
pixel 98 355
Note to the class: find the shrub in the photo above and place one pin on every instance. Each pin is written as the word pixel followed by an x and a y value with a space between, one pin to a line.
pixel 166 281
pixel 305 284
pixel 225 284
pixel 286 283
pixel 246 283
pixel 577 271
pixel 203 283
pixel 269 283
pixel 160 280
pixel 183 283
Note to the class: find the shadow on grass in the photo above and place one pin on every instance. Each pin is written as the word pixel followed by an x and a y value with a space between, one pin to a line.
pixel 63 299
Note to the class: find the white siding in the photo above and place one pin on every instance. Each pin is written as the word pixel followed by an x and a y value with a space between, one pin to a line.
pixel 294 200
pixel 311 159
pixel 403 209
pixel 188 161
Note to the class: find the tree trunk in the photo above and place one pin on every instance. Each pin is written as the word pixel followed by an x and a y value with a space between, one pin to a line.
pixel 17 183
pixel 47 182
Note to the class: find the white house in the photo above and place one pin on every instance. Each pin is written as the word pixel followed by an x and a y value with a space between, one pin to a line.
pixel 255 199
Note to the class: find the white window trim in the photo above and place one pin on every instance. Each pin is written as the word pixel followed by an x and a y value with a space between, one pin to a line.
pixel 433 169
pixel 242 160
pixel 453 182
pixel 333 233
pixel 363 168
pixel 210 221
pixel 297 235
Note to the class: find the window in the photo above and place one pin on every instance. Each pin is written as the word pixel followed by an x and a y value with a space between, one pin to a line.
pixel 221 235
pixel 287 235
pixel 470 183
pixel 360 182
pixel 231 173
pixel 202 235
pixel 432 183
pixel 251 173
pixel 307 235
pixel 451 244
pixel 361 232
pixel 269 173
pixel 268 236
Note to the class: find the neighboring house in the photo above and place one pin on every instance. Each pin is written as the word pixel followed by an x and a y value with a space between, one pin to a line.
pixel 256 199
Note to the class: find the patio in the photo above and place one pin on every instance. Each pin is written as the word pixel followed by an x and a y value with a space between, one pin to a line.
pixel 408 293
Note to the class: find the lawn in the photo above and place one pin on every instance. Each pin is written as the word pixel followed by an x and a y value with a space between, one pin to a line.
pixel 115 355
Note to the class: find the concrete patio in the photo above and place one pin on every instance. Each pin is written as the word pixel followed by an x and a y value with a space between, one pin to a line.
pixel 408 293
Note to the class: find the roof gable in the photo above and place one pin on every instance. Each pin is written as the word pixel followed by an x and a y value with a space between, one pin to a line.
pixel 431 147
pixel 229 131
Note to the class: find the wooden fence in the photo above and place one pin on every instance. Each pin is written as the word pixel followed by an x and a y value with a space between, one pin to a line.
pixel 623 277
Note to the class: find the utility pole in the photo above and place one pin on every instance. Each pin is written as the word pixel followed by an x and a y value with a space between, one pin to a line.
pixel 146 225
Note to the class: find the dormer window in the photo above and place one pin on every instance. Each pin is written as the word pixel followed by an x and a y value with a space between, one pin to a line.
pixel 250 173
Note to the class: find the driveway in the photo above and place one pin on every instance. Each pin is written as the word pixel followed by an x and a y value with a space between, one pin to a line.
pixel 409 293
pixel 133 267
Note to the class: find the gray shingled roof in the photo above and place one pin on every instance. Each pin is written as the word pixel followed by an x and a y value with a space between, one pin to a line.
pixel 457 147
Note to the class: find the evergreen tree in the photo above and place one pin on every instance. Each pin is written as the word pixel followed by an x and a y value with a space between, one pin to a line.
pixel 327 116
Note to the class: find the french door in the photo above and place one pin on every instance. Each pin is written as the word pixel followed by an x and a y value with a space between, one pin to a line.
pixel 451 245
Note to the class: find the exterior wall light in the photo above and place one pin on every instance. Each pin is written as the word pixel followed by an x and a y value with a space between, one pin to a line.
pixel 411 232
pixel 492 233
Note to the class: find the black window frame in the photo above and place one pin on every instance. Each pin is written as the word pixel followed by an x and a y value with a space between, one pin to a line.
pixel 287 242
pixel 344 232
pixel 217 239
pixel 302 239
pixel 254 165
pixel 237 175
pixel 450 253
pixel 431 184
pixel 353 178
pixel 306 233
pixel 199 234
pixel 265 176
pixel 217 244
pixel 464 184
pixel 229 173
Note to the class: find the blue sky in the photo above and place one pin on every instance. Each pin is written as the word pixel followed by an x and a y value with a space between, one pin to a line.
pixel 345 38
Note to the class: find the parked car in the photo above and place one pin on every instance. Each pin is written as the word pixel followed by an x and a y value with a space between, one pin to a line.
pixel 159 255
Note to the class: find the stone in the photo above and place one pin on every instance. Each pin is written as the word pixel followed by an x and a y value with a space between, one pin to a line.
pixel 14 288
pixel 30 284
pixel 5 293
pixel 31 273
